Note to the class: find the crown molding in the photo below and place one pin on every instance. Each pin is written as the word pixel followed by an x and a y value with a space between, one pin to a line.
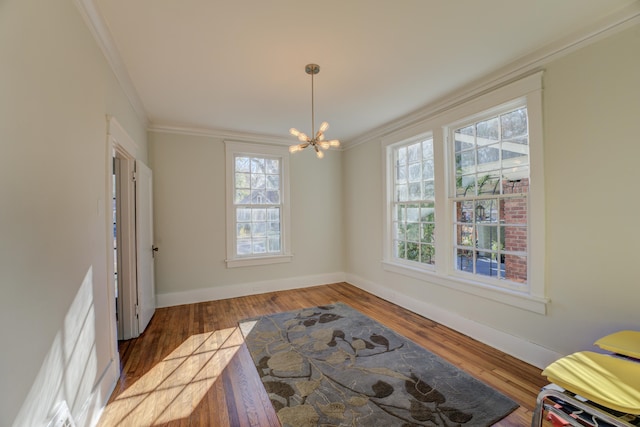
pixel 524 66
pixel 221 134
pixel 98 27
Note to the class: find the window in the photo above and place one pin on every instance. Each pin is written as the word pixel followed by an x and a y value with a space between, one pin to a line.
pixel 257 204
pixel 464 204
pixel 414 202
pixel 490 199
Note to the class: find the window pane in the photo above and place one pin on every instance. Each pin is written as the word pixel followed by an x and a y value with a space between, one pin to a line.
pixel 259 229
pixel 399 249
pixel 273 228
pixel 464 139
pixel 427 254
pixel 513 176
pixel 273 214
pixel 274 244
pixel 464 236
pixel 514 126
pixel 515 210
pixel 426 234
pixel 243 214
pixel 413 251
pixel 414 153
pixel 464 260
pixel 258 181
pixel 466 185
pixel 465 162
pixel 515 239
pixel 415 172
pixel 488 157
pixel 273 166
pixel 413 213
pixel 242 197
pixel 402 156
pixel 489 183
pixel 243 180
pixel 414 191
pixel 464 211
pixel 242 164
pixel 427 169
pixel 487 237
pixel 402 193
pixel 515 268
pixel 401 173
pixel 243 246
pixel 243 231
pixel 486 266
pixel 487 131
pixel 273 182
pixel 427 149
pixel 258 215
pixel 259 246
pixel 257 165
pixel 428 190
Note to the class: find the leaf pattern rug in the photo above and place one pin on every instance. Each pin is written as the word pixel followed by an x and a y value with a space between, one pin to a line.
pixel 334 366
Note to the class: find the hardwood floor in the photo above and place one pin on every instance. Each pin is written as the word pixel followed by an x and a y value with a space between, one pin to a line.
pixel 191 367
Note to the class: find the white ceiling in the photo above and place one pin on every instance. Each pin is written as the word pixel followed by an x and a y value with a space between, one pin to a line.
pixel 238 66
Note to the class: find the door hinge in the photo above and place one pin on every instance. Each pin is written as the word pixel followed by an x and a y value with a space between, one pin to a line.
pixel 137 310
pixel 133 176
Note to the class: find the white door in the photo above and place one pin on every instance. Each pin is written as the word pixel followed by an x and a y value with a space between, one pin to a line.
pixel 145 247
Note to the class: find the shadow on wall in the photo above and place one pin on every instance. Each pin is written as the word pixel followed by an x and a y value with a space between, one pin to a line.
pixel 69 370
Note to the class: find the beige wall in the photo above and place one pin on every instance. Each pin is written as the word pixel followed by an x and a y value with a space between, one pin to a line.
pixel 591 151
pixel 55 92
pixel 190 221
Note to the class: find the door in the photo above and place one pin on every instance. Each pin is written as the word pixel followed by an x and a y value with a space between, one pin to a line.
pixel 145 248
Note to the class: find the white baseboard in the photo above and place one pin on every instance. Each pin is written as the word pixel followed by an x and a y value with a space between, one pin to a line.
pixel 244 289
pixel 526 351
pixel 94 406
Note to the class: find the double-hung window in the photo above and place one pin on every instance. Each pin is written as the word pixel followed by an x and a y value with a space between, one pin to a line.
pixel 490 164
pixel 464 203
pixel 257 204
pixel 414 202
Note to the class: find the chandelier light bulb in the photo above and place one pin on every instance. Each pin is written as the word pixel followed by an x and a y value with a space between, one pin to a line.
pixel 323 127
pixel 334 143
pixel 320 154
pixel 324 145
pixel 294 132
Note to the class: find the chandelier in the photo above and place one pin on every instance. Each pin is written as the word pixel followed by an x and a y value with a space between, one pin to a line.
pixel 317 142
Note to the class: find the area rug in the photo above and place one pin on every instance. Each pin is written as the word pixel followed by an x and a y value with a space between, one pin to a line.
pixel 333 366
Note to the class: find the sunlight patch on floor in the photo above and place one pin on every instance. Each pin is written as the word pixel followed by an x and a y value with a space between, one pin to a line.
pixel 173 388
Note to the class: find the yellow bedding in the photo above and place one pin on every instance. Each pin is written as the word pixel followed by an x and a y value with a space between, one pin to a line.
pixel 607 380
pixel 622 342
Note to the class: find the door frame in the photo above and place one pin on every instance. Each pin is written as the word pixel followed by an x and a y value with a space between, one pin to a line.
pixel 122 146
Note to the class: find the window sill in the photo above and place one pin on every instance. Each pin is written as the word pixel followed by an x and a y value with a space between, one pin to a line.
pixel 249 261
pixel 504 296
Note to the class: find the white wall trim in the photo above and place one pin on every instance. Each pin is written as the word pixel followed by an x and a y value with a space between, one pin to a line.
pixel 243 289
pixel 223 134
pixel 531 63
pixel 526 351
pixel 121 137
pixel 92 17
pixel 97 401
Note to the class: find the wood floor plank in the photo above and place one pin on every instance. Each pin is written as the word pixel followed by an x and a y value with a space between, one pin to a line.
pixel 187 369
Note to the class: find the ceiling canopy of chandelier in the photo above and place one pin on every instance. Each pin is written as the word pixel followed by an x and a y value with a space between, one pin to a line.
pixel 317 142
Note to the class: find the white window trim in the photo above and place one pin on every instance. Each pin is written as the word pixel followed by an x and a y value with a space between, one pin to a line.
pixel 527 89
pixel 238 147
